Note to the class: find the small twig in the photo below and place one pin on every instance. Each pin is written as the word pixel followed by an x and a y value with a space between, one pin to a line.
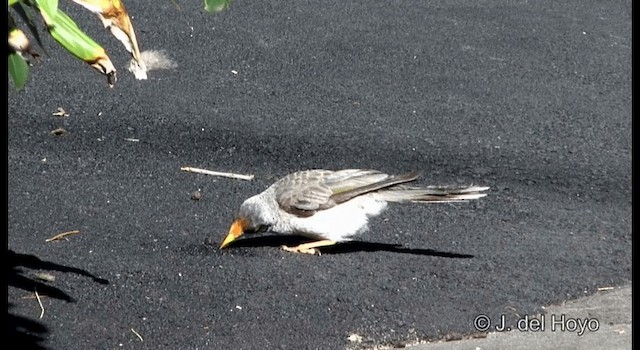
pixel 131 139
pixel 137 334
pixel 605 288
pixel 40 303
pixel 62 235
pixel 217 173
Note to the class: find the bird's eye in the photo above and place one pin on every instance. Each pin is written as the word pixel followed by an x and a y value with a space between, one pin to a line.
pixel 259 229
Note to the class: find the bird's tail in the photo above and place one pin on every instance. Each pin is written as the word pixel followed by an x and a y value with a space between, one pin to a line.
pixel 431 194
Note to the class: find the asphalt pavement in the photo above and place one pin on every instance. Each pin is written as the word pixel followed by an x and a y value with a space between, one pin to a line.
pixel 599 321
pixel 531 98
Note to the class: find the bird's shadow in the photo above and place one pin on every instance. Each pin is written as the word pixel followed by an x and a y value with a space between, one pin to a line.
pixel 343 247
pixel 29 334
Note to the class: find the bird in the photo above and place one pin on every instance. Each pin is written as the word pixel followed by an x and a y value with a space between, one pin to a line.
pixel 333 206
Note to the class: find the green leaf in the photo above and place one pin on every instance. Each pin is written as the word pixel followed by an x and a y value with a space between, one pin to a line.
pixel 67 33
pixel 214 6
pixel 48 8
pixel 13 2
pixel 19 70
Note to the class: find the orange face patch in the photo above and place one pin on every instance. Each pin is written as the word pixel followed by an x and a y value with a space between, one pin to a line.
pixel 237 229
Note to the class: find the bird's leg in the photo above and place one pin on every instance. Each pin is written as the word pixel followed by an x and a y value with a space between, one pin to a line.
pixel 308 248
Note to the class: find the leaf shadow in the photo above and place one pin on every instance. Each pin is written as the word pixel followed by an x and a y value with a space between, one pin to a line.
pixel 28 333
pixel 16 278
pixel 24 332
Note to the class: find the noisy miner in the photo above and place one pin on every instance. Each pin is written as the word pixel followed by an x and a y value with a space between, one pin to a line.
pixel 334 206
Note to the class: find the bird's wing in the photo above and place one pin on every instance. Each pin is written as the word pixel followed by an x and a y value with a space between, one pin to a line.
pixel 305 192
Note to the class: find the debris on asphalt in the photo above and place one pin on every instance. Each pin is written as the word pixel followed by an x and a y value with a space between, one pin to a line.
pixel 137 334
pixel 40 303
pixel 45 277
pixel 600 289
pixel 217 173
pixel 58 131
pixel 355 338
pixel 61 113
pixel 62 235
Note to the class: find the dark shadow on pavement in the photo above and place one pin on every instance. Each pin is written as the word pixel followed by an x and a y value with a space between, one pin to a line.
pixel 344 247
pixel 16 260
pixel 27 333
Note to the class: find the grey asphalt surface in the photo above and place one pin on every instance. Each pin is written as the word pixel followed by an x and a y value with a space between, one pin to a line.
pixel 599 321
pixel 530 98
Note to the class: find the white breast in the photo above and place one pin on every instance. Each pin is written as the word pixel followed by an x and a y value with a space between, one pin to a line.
pixel 339 223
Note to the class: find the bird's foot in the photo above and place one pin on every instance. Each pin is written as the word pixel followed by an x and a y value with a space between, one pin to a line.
pixel 301 250
pixel 308 248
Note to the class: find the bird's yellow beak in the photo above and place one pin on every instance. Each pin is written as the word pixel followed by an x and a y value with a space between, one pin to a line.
pixel 236 230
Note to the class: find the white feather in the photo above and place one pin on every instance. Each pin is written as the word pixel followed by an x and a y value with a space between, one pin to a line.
pixel 339 223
